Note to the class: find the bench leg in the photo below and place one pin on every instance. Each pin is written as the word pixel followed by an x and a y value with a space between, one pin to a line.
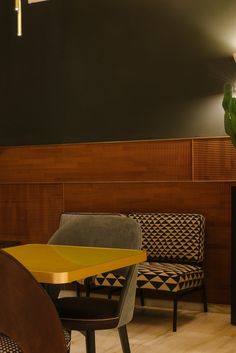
pixel 87 290
pixel 141 293
pixel 87 285
pixel 110 291
pixel 204 297
pixel 175 313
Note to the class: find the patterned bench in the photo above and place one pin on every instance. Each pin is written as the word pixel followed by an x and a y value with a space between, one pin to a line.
pixel 174 243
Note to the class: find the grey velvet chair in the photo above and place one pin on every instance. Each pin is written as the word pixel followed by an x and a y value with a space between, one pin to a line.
pixel 29 322
pixel 88 314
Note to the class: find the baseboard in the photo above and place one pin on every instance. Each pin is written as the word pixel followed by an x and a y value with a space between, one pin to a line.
pixel 183 305
pixel 166 304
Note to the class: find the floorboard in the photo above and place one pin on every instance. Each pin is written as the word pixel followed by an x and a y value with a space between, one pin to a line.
pixel 150 331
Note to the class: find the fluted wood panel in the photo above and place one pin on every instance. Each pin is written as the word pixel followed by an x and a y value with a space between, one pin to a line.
pixel 214 159
pixel 129 161
pixel 30 213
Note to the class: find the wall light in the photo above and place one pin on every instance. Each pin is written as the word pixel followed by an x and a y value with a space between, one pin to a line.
pixel 19 14
pixel 234 56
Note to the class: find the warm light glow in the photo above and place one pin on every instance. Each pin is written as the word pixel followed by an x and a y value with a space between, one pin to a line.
pixel 217 25
pixel 234 56
pixel 19 14
pixel 19 19
pixel 16 5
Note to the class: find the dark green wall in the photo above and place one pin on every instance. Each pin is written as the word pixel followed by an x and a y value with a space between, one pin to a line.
pixel 100 70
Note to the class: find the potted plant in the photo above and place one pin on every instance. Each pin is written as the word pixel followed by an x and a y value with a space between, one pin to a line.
pixel 229 105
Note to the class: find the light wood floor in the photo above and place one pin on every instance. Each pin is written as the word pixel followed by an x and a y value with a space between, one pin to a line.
pixel 150 332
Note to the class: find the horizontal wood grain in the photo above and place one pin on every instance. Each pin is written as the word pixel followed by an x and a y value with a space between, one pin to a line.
pixel 210 199
pixel 129 161
pixel 30 213
pixel 150 330
pixel 218 275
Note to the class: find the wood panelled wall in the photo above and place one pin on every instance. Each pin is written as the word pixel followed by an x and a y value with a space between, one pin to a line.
pixel 38 183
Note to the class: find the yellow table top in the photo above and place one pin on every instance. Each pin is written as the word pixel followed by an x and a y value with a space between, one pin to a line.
pixel 63 264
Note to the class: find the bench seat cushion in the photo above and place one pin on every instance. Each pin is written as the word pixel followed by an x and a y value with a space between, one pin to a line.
pixel 169 277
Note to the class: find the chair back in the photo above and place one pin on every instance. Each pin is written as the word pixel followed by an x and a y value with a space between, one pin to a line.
pixel 28 315
pixel 69 216
pixel 110 231
pixel 98 230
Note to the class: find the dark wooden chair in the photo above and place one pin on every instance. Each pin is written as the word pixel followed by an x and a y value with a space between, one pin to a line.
pixel 29 322
pixel 88 314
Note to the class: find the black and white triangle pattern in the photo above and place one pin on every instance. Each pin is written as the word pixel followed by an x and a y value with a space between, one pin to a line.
pixel 172 236
pixel 169 277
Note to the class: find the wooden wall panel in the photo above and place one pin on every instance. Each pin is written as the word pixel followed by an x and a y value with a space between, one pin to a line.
pixel 130 161
pixel 210 199
pixel 213 198
pixel 30 213
pixel 214 159
pixel 38 182
pixel 218 275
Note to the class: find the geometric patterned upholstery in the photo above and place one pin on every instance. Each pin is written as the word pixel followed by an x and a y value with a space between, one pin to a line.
pixel 174 243
pixel 168 277
pixel 172 237
pixel 7 345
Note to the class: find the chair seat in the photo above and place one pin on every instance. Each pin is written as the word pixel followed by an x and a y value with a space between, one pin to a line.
pixel 82 313
pixel 7 345
pixel 169 277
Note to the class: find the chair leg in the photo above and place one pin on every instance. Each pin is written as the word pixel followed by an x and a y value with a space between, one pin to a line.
pixel 141 293
pixel 204 297
pixel 68 349
pixel 90 342
pixel 175 313
pixel 87 286
pixel 124 339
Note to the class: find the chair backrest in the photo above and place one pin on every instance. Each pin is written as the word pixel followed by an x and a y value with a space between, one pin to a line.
pixel 99 230
pixel 173 237
pixel 28 315
pixel 105 230
pixel 69 216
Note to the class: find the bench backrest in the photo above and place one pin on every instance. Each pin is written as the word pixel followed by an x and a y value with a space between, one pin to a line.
pixel 172 237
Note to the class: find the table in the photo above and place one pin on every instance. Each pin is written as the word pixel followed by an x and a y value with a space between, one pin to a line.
pixel 58 264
